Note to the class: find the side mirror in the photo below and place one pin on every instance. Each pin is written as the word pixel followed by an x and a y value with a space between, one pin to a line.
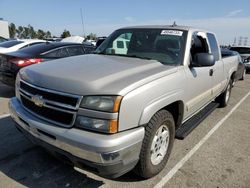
pixel 203 60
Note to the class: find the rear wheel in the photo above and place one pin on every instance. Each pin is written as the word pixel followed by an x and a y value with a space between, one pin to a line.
pixel 157 144
pixel 233 83
pixel 243 75
pixel 223 98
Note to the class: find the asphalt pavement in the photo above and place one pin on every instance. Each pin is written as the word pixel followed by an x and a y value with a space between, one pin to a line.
pixel 215 154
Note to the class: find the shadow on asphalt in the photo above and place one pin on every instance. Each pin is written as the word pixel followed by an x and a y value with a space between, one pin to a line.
pixel 6 91
pixel 32 166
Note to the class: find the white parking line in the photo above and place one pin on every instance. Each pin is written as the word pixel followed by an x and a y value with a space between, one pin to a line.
pixel 4 116
pixel 172 172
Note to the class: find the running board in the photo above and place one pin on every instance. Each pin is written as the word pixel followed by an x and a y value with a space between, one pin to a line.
pixel 187 127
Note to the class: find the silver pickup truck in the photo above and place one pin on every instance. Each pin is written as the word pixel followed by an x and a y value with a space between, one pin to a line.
pixel 122 107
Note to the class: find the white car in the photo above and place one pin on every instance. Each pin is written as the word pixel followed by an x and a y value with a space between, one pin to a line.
pixel 77 39
pixel 14 45
pixel 120 45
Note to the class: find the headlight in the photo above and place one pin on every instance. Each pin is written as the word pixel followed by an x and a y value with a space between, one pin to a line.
pixel 101 125
pixel 102 103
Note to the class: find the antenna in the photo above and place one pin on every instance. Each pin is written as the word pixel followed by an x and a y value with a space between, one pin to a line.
pixel 82 23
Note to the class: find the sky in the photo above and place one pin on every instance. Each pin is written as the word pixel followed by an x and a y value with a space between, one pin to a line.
pixel 227 18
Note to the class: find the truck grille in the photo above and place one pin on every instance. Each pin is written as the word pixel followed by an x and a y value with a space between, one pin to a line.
pixel 55 107
pixel 49 95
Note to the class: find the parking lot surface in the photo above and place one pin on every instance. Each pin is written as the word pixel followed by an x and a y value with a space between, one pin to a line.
pixel 215 154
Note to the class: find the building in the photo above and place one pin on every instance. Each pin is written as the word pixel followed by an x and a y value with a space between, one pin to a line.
pixel 240 41
pixel 4 29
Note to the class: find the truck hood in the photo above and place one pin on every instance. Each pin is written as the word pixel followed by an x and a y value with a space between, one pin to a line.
pixel 95 74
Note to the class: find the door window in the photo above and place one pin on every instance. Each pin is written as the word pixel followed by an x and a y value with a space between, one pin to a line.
pixel 214 46
pixel 199 44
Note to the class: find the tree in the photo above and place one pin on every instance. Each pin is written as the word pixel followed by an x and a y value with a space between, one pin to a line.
pixel 20 32
pixel 48 34
pixel 13 30
pixel 25 32
pixel 91 36
pixel 40 34
pixel 65 34
pixel 31 32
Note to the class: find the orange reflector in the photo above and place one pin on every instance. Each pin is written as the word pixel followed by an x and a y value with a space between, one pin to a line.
pixel 117 103
pixel 113 126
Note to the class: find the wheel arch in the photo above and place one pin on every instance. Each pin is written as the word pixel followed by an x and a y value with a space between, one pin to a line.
pixel 233 75
pixel 175 108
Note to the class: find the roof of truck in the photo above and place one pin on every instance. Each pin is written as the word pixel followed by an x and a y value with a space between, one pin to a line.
pixel 240 46
pixel 180 27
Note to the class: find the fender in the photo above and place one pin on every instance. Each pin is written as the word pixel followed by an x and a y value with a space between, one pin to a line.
pixel 159 104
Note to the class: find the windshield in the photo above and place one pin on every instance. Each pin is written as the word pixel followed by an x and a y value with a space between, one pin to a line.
pixel 163 45
pixel 241 50
pixel 9 44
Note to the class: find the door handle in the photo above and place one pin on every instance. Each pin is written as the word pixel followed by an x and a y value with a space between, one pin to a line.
pixel 211 72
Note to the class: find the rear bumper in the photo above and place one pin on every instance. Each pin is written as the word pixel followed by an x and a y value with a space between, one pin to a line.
pixel 108 155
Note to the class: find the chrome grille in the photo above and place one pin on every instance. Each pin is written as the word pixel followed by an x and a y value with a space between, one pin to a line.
pixel 53 106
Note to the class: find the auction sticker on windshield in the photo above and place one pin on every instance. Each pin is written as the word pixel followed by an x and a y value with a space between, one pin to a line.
pixel 172 32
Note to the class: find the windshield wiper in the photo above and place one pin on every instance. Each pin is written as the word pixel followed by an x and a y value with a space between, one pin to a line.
pixel 135 56
pixel 101 53
pixel 124 55
pixel 140 57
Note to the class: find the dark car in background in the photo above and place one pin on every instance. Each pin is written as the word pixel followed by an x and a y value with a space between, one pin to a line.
pixel 2 39
pixel 244 52
pixel 99 41
pixel 11 63
pixel 241 71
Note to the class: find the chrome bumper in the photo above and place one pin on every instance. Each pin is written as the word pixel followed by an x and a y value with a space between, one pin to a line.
pixel 122 148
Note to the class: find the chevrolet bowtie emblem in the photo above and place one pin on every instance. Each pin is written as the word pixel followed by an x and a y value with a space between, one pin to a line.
pixel 38 100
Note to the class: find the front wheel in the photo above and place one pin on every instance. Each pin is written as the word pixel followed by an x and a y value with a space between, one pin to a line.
pixel 157 144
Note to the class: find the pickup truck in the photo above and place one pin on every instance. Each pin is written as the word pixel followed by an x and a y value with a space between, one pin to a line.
pixel 118 110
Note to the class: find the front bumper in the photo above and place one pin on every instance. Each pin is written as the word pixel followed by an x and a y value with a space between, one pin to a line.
pixel 109 155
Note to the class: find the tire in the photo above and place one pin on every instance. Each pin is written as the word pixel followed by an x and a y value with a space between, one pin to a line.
pixel 223 98
pixel 157 144
pixel 233 83
pixel 243 75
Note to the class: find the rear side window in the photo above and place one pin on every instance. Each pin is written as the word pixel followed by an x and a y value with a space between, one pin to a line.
pixel 58 53
pixel 35 43
pixel 31 44
pixel 9 44
pixel 75 50
pixel 214 46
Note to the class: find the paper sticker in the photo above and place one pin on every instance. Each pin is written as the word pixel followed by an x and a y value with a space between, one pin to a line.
pixel 172 32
